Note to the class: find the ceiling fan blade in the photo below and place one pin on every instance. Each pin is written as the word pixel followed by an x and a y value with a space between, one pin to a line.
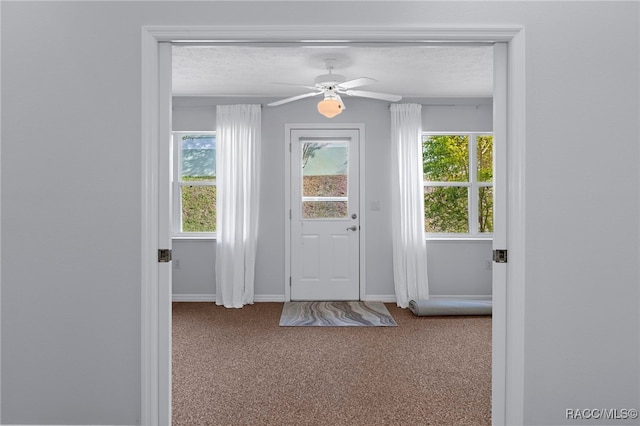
pixel 374 95
pixel 342 106
pixel 293 98
pixel 356 82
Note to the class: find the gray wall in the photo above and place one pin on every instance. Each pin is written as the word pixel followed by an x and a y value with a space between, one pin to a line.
pixel 71 191
pixel 455 267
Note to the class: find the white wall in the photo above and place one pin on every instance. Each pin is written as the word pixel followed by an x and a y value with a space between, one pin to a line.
pixel 194 271
pixel 460 271
pixel 71 191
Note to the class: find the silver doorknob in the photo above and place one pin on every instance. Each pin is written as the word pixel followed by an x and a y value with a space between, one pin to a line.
pixel 352 228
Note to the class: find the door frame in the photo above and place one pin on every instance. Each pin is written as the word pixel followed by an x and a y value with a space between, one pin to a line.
pixel 508 324
pixel 288 128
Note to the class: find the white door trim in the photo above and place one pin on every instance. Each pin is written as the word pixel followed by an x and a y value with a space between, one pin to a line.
pixel 150 373
pixel 508 329
pixel 287 185
pixel 512 405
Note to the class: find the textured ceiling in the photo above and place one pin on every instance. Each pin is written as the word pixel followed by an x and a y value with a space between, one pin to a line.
pixel 409 71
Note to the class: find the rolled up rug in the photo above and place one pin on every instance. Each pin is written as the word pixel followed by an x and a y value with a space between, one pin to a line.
pixel 437 307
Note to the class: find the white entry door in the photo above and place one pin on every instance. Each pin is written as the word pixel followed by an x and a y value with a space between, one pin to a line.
pixel 325 215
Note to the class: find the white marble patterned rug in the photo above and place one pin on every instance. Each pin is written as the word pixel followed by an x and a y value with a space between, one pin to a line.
pixel 336 314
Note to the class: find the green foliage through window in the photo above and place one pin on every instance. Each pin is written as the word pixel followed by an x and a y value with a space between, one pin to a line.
pixel 446 158
pixel 198 206
pixel 446 209
pixel 458 183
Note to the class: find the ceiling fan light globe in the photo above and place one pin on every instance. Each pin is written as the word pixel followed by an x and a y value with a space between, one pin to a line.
pixel 329 107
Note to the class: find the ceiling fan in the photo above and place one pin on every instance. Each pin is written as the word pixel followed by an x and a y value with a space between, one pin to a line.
pixel 332 86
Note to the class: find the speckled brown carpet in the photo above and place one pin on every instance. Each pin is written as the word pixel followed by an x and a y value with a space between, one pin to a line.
pixel 239 367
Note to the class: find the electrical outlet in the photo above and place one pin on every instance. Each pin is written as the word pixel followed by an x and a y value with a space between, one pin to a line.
pixel 488 265
pixel 176 263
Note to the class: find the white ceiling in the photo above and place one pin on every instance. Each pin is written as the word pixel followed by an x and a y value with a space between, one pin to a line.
pixel 409 71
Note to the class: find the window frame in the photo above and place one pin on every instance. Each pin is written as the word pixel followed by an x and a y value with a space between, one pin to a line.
pixel 177 184
pixel 472 184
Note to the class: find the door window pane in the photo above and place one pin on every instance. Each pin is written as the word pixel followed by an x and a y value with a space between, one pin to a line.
pixel 325 167
pixel 324 209
pixel 324 186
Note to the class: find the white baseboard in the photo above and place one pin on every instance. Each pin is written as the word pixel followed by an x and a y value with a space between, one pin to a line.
pixel 384 298
pixel 391 298
pixel 194 298
pixel 212 298
pixel 268 298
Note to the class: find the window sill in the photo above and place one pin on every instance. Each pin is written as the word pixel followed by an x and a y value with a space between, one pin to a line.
pixel 193 237
pixel 465 239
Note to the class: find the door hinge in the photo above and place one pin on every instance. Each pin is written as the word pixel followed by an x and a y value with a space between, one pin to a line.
pixel 164 255
pixel 500 256
pixel 289 281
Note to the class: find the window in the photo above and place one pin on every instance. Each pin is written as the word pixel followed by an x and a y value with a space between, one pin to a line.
pixel 325 180
pixel 458 184
pixel 194 184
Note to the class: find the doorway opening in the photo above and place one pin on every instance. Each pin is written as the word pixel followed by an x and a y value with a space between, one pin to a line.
pixel 156 277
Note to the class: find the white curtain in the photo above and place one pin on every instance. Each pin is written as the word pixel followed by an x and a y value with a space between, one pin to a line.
pixel 407 205
pixel 238 129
